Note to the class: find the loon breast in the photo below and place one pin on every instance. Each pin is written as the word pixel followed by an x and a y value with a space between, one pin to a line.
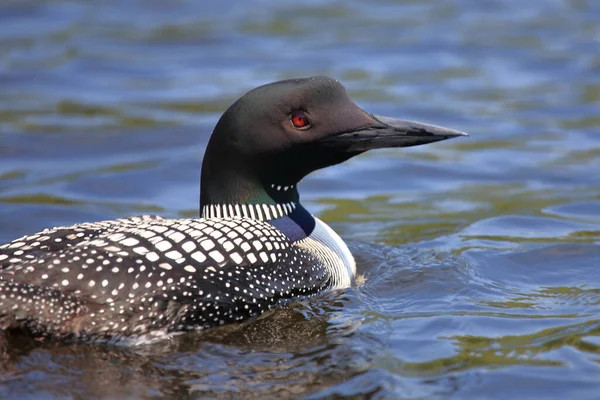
pixel 334 254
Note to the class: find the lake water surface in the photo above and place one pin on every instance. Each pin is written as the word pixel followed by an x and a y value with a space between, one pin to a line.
pixel 481 255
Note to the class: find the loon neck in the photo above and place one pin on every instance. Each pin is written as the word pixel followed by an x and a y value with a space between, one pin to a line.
pixel 263 202
pixel 261 212
pixel 234 186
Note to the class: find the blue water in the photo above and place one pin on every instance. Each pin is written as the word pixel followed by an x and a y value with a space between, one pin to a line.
pixel 480 255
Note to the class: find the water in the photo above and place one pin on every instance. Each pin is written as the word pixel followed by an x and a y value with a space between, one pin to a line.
pixel 480 255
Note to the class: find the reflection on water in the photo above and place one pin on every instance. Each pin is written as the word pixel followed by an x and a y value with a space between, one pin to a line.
pixel 479 255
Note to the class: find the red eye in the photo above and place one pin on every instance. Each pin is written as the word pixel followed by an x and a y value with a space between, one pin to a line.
pixel 299 119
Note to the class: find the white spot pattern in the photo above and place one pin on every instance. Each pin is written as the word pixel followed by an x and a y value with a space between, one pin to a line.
pixel 151 266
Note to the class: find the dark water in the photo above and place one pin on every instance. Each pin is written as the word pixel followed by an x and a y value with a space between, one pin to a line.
pixel 481 255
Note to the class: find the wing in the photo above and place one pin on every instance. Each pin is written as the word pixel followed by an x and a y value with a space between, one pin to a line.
pixel 148 274
pixel 56 239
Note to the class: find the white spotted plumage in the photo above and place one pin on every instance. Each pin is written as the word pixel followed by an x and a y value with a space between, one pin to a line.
pixel 138 276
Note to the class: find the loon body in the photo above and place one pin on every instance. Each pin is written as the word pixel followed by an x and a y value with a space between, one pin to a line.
pixel 140 279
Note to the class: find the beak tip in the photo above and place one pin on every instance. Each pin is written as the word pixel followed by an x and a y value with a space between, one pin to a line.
pixel 451 133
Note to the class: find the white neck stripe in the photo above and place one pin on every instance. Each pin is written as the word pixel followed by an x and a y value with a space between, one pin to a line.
pixel 280 188
pixel 262 212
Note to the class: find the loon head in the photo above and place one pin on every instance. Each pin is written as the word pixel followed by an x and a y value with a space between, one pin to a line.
pixel 276 134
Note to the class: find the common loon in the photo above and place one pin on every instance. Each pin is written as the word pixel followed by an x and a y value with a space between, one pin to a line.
pixel 255 246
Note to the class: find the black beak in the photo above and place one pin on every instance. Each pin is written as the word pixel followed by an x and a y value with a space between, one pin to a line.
pixel 390 132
